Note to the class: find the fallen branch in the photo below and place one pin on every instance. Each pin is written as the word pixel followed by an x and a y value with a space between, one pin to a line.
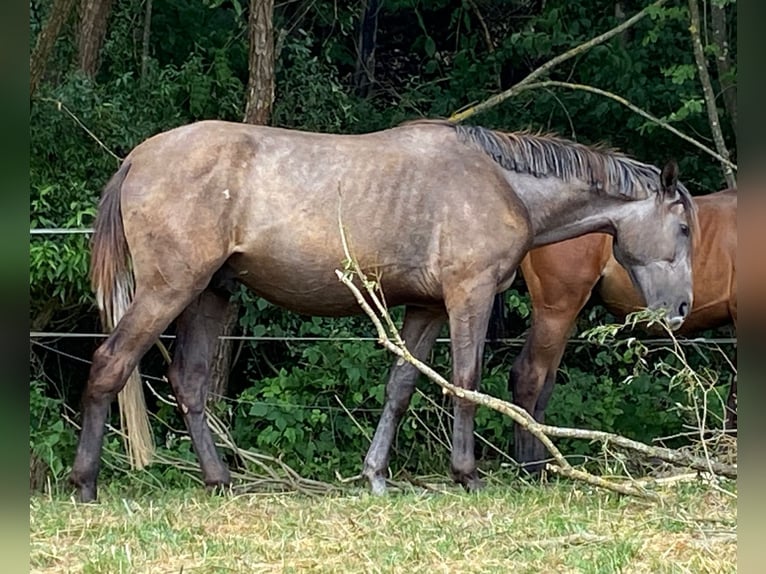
pixel 276 474
pixel 520 416
pixel 516 413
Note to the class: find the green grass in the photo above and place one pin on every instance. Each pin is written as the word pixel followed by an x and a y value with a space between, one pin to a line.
pixel 558 527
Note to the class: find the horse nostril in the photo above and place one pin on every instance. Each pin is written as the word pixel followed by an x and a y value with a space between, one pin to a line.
pixel 683 308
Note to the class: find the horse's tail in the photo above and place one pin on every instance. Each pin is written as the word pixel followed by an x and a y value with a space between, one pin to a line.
pixel 112 281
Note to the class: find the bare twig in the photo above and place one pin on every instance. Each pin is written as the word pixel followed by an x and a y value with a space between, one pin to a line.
pixel 485 29
pixel 62 107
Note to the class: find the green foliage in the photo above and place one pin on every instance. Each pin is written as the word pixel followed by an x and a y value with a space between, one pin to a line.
pixel 432 59
pixel 309 93
pixel 50 438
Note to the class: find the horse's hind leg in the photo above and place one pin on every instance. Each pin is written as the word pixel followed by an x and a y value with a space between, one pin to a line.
pixel 197 332
pixel 149 314
pixel 419 332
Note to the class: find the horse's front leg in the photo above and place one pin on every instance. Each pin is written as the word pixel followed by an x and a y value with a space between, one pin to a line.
pixel 533 376
pixel 469 307
pixel 419 332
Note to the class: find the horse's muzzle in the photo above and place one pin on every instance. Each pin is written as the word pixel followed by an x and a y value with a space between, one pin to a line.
pixel 675 322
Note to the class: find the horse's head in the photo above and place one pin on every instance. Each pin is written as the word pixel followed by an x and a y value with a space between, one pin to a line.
pixel 654 244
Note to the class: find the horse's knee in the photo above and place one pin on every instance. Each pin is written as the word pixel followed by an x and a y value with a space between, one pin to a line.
pixel 526 385
pixel 400 386
pixel 189 382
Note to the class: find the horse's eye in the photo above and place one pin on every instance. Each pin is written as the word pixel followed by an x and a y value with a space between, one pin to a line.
pixel 685 229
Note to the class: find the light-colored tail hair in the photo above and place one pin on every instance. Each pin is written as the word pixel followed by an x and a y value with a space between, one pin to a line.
pixel 112 281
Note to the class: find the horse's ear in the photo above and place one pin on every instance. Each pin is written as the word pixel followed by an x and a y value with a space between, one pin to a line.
pixel 669 178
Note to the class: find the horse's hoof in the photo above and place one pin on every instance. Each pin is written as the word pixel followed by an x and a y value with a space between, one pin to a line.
pixel 474 484
pixel 86 489
pixel 87 493
pixel 378 486
pixel 218 488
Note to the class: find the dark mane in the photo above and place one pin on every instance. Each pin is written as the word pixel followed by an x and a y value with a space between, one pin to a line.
pixel 546 155
pixel 540 155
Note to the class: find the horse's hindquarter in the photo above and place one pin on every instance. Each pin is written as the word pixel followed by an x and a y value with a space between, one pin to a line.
pixel 411 201
pixel 714 263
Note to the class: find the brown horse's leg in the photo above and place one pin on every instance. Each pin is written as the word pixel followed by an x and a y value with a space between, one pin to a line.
pixel 198 328
pixel 533 376
pixel 559 289
pixel 150 313
pixel 469 310
pixel 420 329
pixel 730 420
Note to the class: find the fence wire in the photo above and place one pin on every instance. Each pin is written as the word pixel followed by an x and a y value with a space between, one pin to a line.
pixel 515 341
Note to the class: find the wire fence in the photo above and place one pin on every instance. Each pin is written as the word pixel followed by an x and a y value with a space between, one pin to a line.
pixel 514 341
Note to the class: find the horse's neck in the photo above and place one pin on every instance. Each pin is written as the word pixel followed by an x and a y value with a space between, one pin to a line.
pixel 562 210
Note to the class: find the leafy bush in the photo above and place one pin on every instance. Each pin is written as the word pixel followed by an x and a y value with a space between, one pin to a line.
pixel 432 59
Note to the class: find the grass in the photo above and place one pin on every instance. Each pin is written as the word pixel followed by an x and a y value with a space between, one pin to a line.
pixel 557 527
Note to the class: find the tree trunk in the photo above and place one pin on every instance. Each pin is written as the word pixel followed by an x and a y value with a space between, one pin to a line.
pixel 364 75
pixel 260 84
pixel 145 39
pixel 707 90
pixel 93 18
pixel 46 40
pixel 221 365
pixel 723 63
pixel 260 97
pixel 626 35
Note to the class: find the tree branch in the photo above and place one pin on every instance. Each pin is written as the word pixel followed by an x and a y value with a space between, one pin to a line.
pixel 501 97
pixel 632 107
pixel 707 90
pixel 519 415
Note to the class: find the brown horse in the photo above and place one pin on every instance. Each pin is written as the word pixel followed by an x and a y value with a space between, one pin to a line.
pixel 561 277
pixel 441 214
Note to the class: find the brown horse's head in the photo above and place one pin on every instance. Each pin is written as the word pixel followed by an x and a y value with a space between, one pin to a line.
pixel 655 246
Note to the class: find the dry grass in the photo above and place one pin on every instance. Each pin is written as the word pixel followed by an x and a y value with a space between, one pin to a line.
pixel 557 528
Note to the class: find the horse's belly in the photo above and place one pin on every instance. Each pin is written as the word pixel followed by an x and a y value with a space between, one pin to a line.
pixel 314 289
